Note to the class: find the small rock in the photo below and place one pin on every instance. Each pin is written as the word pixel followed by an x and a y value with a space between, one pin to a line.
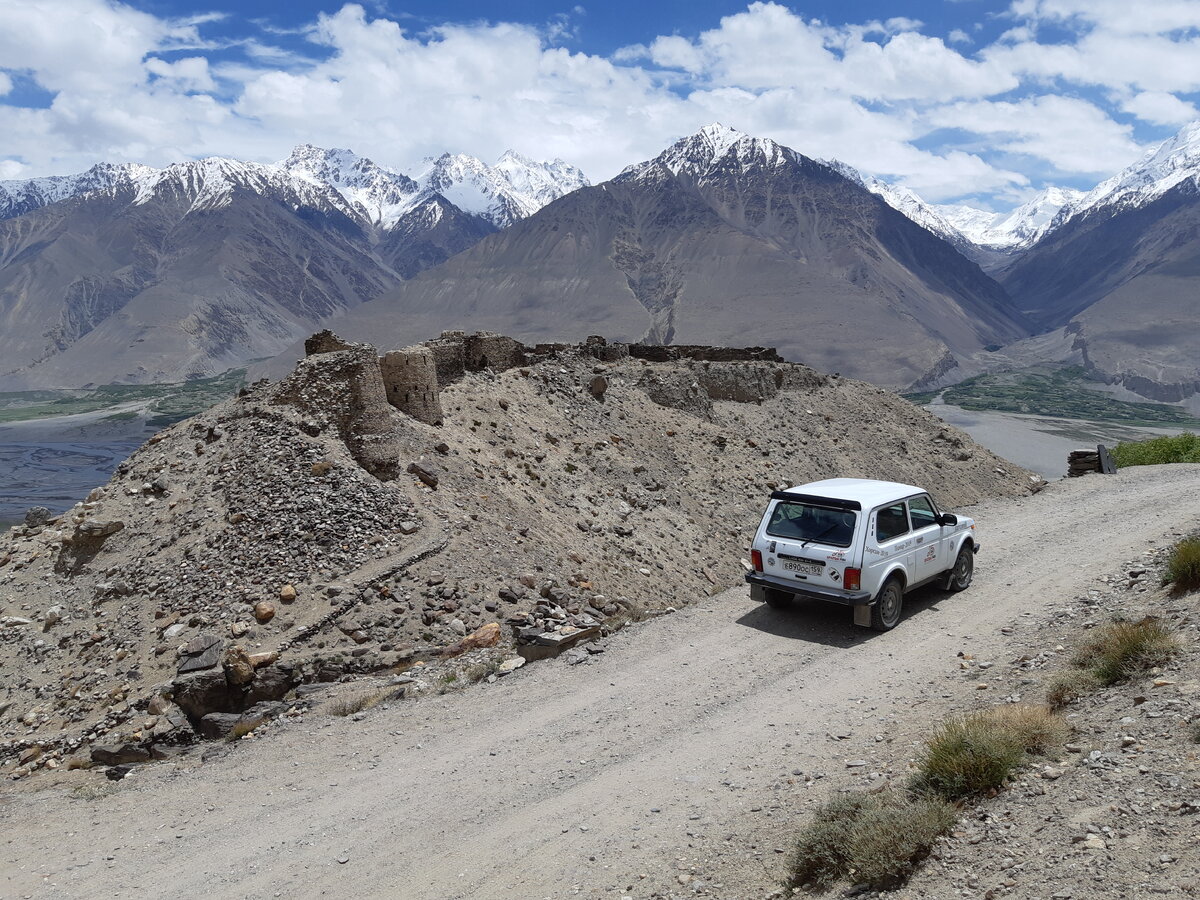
pixel 264 611
pixel 287 593
pixel 510 665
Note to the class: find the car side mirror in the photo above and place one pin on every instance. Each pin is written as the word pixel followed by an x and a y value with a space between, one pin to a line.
pixel 947 519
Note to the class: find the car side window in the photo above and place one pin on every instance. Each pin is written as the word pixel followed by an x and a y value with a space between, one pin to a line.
pixel 922 513
pixel 890 522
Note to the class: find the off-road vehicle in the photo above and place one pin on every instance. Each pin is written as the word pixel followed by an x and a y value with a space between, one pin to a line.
pixel 861 543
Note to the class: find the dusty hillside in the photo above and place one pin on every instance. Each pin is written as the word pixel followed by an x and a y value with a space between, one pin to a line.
pixel 251 548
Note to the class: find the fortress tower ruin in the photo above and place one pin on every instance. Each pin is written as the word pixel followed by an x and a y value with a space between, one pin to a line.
pixel 411 382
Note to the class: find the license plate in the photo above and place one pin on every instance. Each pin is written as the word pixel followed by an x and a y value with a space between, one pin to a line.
pixel 803 568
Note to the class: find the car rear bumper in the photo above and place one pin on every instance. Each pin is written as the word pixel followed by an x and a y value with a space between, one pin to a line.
pixel 845 598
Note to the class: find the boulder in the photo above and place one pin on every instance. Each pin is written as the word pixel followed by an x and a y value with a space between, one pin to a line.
pixel 201 652
pixel 218 725
pixel 425 473
pixel 119 754
pixel 201 693
pixel 598 386
pixel 37 516
pixel 239 669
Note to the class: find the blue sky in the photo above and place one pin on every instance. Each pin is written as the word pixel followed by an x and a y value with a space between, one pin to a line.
pixel 971 100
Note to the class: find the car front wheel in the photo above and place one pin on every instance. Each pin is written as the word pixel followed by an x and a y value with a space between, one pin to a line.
pixel 964 569
pixel 886 611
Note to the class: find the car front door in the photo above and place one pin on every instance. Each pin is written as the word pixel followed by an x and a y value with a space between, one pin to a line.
pixel 928 551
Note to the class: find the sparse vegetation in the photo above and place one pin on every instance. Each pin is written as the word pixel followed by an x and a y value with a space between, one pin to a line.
pixel 92 791
pixel 1180 448
pixel 166 403
pixel 348 706
pixel 875 839
pixel 482 670
pixel 1183 565
pixel 1061 393
pixel 1121 649
pixel 1067 687
pixel 974 755
pixel 243 728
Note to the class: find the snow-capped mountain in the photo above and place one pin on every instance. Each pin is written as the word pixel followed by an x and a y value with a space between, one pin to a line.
pixel 514 188
pixel 1008 231
pixel 1168 165
pixel 698 153
pixel 20 197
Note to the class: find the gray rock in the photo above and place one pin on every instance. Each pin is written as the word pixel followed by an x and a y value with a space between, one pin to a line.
pixel 97 530
pixel 36 516
pixel 201 652
pixel 427 474
pixel 119 754
pixel 219 725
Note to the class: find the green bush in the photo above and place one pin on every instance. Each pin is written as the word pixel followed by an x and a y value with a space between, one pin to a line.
pixel 873 839
pixel 1183 566
pixel 1121 649
pixel 1181 448
pixel 973 755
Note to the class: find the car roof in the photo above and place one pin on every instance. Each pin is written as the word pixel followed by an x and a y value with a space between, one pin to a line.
pixel 867 491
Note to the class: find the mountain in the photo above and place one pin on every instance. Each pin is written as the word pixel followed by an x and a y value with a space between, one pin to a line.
pixel 1120 271
pixel 721 239
pixel 130 273
pixel 1022 227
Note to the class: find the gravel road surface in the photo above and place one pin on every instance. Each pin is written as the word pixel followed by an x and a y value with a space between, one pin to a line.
pixel 674 763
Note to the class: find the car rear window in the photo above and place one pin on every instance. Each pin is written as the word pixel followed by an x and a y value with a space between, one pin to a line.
pixel 809 522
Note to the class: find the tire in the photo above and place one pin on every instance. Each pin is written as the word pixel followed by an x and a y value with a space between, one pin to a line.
pixel 778 599
pixel 885 612
pixel 959 578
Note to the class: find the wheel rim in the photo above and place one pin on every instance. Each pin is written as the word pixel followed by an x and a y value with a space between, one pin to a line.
pixel 889 605
pixel 963 569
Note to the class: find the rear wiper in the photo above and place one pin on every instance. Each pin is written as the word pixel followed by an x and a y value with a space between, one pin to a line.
pixel 819 536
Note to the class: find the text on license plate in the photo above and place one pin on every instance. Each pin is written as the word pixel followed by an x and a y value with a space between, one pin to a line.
pixel 804 568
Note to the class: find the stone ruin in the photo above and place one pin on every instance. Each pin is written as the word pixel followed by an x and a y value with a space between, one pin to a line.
pixel 411 379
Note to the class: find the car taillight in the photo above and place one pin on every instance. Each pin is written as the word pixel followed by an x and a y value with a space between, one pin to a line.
pixel 852 579
pixel 756 558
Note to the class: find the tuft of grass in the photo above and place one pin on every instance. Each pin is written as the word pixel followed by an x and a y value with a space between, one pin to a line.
pixel 1068 687
pixel 243 728
pixel 1180 448
pixel 975 754
pixel 1183 565
pixel 1119 650
pixel 875 839
pixel 79 762
pixel 482 670
pixel 348 706
pixel 92 791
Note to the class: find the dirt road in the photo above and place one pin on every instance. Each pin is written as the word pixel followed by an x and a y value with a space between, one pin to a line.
pixel 685 753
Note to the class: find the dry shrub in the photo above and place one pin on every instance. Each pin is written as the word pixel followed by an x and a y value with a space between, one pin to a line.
pixel 482 670
pixel 1119 650
pixel 1070 686
pixel 1183 566
pixel 975 754
pixel 242 728
pixel 874 839
pixel 79 762
pixel 348 706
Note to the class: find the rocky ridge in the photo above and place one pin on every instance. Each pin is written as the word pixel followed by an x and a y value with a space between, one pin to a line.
pixel 307 532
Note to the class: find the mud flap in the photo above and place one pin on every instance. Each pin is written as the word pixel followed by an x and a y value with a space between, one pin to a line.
pixel 862 614
pixel 758 593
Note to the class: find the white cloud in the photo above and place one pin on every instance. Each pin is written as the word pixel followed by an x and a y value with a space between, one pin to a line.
pixel 10 168
pixel 885 97
pixel 1071 134
pixel 1160 108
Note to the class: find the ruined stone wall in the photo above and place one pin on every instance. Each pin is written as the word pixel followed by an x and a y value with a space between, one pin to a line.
pixel 410 379
pixel 699 352
pixel 343 390
pixel 485 350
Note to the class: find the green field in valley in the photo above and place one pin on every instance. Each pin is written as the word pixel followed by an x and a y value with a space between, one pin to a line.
pixel 165 403
pixel 1060 393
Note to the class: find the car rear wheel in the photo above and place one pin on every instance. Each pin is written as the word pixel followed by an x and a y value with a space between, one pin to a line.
pixel 778 599
pixel 886 611
pixel 964 569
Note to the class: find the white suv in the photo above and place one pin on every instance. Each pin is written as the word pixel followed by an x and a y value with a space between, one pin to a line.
pixel 861 543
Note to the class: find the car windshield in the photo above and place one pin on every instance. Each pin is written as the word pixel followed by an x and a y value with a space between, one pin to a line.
pixel 809 522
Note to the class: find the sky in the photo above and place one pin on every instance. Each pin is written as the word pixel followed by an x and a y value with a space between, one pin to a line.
pixel 978 101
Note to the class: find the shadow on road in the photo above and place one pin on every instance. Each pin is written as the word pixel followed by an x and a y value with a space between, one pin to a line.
pixel 833 625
